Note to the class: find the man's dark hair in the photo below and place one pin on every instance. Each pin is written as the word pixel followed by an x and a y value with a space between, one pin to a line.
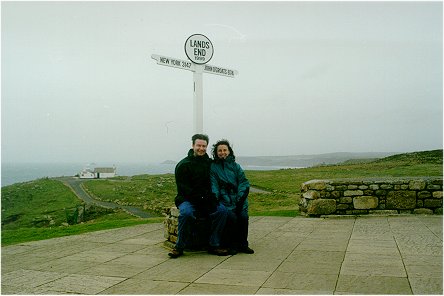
pixel 200 137
pixel 222 142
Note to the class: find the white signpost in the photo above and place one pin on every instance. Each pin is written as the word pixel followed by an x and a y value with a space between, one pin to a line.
pixel 199 50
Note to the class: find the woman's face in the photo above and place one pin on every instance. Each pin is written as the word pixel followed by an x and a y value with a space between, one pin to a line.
pixel 222 151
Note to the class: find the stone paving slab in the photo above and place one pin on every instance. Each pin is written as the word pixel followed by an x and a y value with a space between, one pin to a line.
pixel 303 282
pixel 81 284
pixel 254 262
pixel 144 287
pixel 236 277
pixel 426 286
pixel 365 284
pixel 332 255
pixel 217 289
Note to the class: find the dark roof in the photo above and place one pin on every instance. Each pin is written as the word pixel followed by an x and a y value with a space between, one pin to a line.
pixel 104 170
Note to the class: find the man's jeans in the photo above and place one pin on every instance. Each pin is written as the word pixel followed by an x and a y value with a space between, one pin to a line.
pixel 186 221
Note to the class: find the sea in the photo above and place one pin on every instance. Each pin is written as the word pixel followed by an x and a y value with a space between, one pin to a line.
pixel 12 173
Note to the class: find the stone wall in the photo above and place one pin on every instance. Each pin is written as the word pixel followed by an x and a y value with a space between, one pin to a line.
pixel 418 195
pixel 170 226
pixel 199 236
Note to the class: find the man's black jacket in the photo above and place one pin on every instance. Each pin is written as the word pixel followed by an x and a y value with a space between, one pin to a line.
pixel 193 182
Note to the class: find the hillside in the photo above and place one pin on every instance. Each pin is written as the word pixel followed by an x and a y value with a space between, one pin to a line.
pixel 430 157
pixel 308 160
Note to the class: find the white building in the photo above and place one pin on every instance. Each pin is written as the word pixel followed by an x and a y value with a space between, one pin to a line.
pixel 87 174
pixel 97 173
pixel 102 173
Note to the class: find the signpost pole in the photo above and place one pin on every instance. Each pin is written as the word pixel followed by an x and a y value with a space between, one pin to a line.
pixel 199 51
pixel 198 99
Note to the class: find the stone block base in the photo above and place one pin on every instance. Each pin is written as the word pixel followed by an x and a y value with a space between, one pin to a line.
pixel 199 237
pixel 415 195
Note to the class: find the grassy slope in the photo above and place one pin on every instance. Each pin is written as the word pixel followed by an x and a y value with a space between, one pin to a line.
pixel 285 184
pixel 37 210
pixel 25 205
pixel 30 204
pixel 153 192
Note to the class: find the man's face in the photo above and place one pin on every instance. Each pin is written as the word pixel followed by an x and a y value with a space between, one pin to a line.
pixel 200 147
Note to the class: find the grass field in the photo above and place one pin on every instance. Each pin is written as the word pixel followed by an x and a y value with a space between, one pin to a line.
pixel 285 184
pixel 38 209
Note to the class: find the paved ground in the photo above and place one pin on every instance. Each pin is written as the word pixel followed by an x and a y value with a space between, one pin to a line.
pixel 365 255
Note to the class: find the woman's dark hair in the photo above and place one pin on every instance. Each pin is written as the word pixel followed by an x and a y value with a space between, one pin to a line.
pixel 222 142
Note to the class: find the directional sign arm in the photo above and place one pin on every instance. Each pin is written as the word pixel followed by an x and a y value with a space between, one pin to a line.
pixel 190 66
pixel 220 71
pixel 173 62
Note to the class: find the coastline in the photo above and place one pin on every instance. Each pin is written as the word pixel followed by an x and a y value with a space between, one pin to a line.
pixel 12 173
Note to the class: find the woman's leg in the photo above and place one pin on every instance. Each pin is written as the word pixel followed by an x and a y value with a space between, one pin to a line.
pixel 218 221
pixel 231 232
pixel 242 227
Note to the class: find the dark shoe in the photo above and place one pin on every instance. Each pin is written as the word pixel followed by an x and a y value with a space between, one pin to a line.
pixel 232 251
pixel 175 253
pixel 246 250
pixel 218 251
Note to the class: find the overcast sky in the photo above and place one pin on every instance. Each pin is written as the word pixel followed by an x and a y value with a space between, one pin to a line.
pixel 78 82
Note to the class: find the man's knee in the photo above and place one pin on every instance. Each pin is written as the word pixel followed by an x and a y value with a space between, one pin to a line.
pixel 186 210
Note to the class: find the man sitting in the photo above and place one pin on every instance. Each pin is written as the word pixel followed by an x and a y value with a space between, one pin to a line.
pixel 194 197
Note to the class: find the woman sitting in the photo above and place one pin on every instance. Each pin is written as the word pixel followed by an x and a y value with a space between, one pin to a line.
pixel 231 187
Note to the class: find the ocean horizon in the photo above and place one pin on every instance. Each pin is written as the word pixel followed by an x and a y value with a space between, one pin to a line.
pixel 12 173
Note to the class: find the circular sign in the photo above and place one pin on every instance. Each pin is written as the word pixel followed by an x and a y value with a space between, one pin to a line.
pixel 199 49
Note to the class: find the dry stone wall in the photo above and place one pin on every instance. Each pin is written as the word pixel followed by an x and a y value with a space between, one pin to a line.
pixel 170 226
pixel 199 236
pixel 372 196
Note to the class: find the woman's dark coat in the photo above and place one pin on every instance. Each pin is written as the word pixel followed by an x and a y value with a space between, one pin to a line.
pixel 228 182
